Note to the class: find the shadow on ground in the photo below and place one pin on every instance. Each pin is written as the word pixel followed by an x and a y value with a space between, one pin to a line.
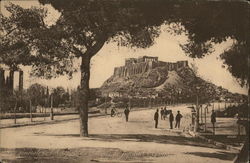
pixel 218 155
pixel 76 155
pixel 233 140
pixel 163 139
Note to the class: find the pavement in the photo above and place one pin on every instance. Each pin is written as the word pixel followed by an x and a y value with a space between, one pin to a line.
pixel 111 139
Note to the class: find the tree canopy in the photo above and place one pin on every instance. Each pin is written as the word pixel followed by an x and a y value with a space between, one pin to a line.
pixel 84 26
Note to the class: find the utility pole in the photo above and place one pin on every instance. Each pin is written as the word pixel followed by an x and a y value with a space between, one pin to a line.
pixel 197 114
pixel 129 102
pixel 205 112
pixel 196 128
pixel 31 111
pixel 106 112
pixel 51 108
pixel 15 112
pixel 205 126
pixel 201 114
pixel 44 113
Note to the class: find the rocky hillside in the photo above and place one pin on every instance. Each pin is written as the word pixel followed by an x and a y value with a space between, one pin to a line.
pixel 181 84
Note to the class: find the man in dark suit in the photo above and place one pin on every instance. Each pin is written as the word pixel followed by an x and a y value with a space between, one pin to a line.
pixel 156 116
pixel 171 119
pixel 178 119
pixel 126 112
pixel 213 120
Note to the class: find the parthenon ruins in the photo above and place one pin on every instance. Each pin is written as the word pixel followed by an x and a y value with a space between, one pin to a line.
pixel 142 64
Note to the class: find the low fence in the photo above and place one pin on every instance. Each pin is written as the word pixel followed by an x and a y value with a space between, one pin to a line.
pixel 34 115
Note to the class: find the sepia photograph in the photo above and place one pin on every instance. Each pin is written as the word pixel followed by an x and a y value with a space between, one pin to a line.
pixel 124 81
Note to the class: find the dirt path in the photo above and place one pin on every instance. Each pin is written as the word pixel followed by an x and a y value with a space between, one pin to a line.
pixel 110 140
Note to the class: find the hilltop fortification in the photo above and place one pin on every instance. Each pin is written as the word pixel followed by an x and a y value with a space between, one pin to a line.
pixel 134 66
pixel 147 77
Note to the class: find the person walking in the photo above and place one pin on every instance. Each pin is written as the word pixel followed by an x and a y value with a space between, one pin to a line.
pixel 156 116
pixel 126 112
pixel 178 119
pixel 213 120
pixel 165 113
pixel 162 113
pixel 171 119
pixel 112 112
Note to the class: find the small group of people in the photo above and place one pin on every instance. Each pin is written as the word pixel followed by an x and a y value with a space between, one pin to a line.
pixel 164 113
pixel 171 117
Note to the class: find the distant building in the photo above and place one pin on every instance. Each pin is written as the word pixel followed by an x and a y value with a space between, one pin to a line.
pixel 130 61
pixel 147 59
pixel 143 64
pixel 113 94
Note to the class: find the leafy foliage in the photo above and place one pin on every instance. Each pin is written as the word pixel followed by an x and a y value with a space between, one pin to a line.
pixel 37 94
pixel 237 61
pixel 136 23
pixel 60 96
pixel 85 26
pixel 27 40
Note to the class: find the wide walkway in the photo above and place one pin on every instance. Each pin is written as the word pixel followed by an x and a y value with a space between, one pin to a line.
pixel 111 139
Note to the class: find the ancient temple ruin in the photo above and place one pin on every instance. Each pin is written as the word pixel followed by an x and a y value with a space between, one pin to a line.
pixel 143 64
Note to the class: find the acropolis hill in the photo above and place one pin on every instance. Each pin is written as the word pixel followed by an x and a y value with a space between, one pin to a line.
pixel 143 64
pixel 147 77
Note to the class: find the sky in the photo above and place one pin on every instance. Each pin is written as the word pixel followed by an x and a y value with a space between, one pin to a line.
pixel 166 47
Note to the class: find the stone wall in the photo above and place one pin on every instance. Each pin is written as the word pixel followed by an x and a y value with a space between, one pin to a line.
pixel 134 69
pixel 142 67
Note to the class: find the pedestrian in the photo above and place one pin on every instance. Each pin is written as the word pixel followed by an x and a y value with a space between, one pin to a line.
pixel 213 120
pixel 126 112
pixel 171 119
pixel 178 119
pixel 162 113
pixel 156 116
pixel 112 112
pixel 165 111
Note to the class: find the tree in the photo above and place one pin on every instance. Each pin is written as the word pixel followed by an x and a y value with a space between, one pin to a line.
pixel 36 93
pixel 237 61
pixel 58 96
pixel 19 45
pixel 14 32
pixel 90 26
pixel 85 26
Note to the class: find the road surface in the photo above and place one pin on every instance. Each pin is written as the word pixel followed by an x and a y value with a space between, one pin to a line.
pixel 111 139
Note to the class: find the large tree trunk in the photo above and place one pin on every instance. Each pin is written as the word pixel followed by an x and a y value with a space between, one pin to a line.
pixel 83 95
pixel 83 92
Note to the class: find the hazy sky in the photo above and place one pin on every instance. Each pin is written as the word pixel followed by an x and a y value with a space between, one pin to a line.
pixel 166 47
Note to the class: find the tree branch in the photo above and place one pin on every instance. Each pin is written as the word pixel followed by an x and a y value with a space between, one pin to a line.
pixel 10 31
pixel 77 52
pixel 95 48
